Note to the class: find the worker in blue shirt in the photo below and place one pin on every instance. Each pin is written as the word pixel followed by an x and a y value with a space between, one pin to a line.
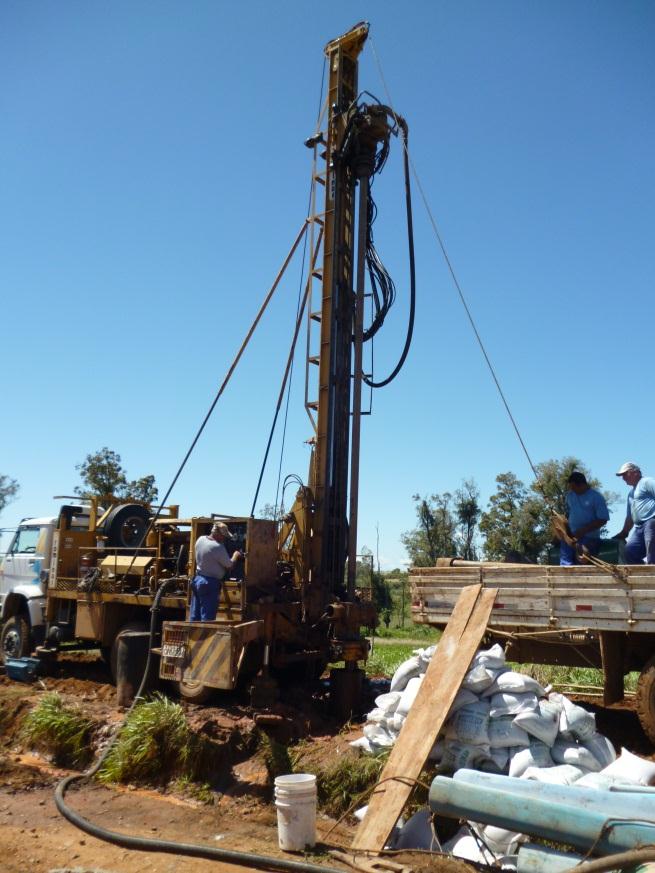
pixel 587 513
pixel 640 518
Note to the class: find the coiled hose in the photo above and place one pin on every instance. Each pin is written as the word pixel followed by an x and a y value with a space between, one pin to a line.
pixel 149 844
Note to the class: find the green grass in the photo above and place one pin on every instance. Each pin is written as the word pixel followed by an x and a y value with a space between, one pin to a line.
pixel 565 677
pixel 384 660
pixel 156 744
pixel 341 781
pixel 421 632
pixel 62 731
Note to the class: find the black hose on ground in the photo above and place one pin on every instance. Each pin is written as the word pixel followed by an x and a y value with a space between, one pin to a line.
pixel 148 844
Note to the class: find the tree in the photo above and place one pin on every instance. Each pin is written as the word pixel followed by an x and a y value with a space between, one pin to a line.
pixel 518 520
pixel 467 511
pixel 435 534
pixel 103 475
pixel 9 489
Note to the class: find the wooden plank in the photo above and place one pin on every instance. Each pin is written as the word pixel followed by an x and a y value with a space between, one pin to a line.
pixel 425 719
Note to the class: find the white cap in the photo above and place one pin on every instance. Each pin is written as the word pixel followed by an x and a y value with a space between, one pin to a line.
pixel 628 467
pixel 221 528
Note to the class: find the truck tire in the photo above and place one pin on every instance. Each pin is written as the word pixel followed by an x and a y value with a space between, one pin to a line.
pixel 15 639
pixel 195 692
pixel 139 626
pixel 125 526
pixel 645 699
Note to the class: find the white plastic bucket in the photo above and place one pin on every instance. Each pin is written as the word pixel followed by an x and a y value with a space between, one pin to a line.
pixel 295 799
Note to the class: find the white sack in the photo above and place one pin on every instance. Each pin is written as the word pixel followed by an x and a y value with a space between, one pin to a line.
pixel 409 668
pixel 566 752
pixel 602 782
pixel 576 721
pixel 409 695
pixel 601 748
pixel 470 724
pixel 396 722
pixel 464 845
pixel 516 683
pixel 463 698
pixel 377 716
pixel 416 833
pixel 504 731
pixel 364 744
pixel 542 723
pixel 501 841
pixel 536 755
pixel 494 658
pixel 361 812
pixel 500 757
pixel 632 768
pixel 378 736
pixel 425 656
pixel 565 774
pixel 507 703
pixel 388 702
pixel 461 756
pixel 478 678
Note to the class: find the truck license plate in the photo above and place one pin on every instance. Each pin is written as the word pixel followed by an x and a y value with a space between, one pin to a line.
pixel 169 650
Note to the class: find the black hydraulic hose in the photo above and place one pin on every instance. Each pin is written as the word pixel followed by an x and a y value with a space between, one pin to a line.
pixel 412 268
pixel 148 844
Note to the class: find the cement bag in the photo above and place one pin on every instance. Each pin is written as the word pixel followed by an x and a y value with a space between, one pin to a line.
pixel 508 703
pixel 388 702
pixel 470 724
pixel 378 736
pixel 504 731
pixel 463 698
pixel 542 723
pixel 409 668
pixel 500 841
pixel 425 656
pixel 515 683
pixel 566 752
pixel 602 782
pixel 494 658
pixel 632 768
pixel 377 716
pixel 536 755
pixel 565 774
pixel 464 845
pixel 361 812
pixel 500 757
pixel 395 723
pixel 417 833
pixel 601 748
pixel 461 756
pixel 479 678
pixel 576 721
pixel 364 744
pixel 409 695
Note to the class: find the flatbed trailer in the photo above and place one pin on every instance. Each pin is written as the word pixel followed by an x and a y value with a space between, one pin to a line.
pixel 583 616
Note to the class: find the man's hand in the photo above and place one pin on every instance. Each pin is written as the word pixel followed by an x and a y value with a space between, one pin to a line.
pixel 237 556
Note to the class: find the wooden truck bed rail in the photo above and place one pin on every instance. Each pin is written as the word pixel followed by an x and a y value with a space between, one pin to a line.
pixel 539 596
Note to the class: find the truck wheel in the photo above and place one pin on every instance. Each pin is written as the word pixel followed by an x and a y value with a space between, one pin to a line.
pixel 15 639
pixel 195 692
pixel 126 525
pixel 140 627
pixel 645 699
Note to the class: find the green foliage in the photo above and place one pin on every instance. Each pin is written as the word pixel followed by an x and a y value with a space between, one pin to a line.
pixel 344 778
pixel 155 744
pixel 276 756
pixel 385 659
pixel 9 489
pixel 103 475
pixel 518 520
pixel 447 526
pixel 62 731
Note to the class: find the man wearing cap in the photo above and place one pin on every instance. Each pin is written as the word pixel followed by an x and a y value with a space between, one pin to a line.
pixel 212 562
pixel 587 513
pixel 640 518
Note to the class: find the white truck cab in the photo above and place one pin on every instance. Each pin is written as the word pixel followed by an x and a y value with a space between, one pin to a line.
pixel 23 579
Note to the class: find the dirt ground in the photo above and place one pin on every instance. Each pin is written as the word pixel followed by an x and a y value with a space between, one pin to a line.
pixel 36 838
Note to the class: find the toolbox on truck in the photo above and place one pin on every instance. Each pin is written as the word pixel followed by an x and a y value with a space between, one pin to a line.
pixel 207 652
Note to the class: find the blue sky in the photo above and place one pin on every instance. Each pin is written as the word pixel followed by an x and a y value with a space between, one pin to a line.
pixel 153 176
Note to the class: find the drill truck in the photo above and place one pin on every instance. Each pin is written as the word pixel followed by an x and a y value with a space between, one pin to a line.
pixel 289 604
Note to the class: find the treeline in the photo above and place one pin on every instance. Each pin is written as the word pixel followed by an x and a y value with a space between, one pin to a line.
pixel 516 523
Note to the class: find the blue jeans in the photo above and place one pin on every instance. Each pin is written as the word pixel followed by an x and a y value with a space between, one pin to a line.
pixel 204 598
pixel 641 543
pixel 567 555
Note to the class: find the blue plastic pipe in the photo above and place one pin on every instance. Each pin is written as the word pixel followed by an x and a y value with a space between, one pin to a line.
pixel 611 803
pixel 538 859
pixel 562 822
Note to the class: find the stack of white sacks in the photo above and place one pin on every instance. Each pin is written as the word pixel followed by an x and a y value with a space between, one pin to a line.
pixel 502 722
